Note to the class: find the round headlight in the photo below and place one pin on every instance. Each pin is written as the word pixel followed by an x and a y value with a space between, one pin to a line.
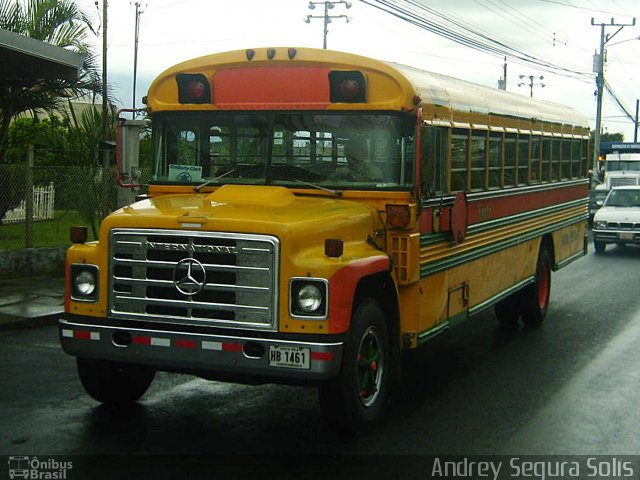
pixel 85 283
pixel 309 298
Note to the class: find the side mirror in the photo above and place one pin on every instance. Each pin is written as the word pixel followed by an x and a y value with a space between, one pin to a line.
pixel 599 203
pixel 128 149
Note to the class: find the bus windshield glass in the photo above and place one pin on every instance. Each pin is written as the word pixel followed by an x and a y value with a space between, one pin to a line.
pixel 328 150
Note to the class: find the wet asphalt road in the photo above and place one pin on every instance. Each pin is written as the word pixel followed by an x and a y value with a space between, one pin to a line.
pixel 569 387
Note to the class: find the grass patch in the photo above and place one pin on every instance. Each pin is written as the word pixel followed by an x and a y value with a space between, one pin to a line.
pixel 46 233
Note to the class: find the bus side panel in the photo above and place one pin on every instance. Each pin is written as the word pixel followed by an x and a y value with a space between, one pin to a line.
pixel 569 243
pixel 448 296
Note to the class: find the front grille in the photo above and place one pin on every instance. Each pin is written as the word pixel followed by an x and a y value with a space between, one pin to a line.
pixel 621 181
pixel 623 226
pixel 194 278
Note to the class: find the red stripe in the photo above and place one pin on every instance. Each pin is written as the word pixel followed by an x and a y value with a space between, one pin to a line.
pixel 324 356
pixel 82 335
pixel 186 343
pixel 232 347
pixel 141 340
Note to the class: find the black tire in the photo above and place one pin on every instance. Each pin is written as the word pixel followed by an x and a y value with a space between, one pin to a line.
pixel 114 383
pixel 353 403
pixel 508 310
pixel 599 247
pixel 534 301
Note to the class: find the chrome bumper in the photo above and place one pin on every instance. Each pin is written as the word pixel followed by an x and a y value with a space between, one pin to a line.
pixel 195 353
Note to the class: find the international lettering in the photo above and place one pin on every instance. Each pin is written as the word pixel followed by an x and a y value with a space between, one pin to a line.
pixel 189 247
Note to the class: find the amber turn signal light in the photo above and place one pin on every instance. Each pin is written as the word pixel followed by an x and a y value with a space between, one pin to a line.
pixel 333 247
pixel 78 234
pixel 398 216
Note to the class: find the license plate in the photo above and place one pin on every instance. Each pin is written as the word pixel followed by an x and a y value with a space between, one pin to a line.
pixel 625 236
pixel 289 357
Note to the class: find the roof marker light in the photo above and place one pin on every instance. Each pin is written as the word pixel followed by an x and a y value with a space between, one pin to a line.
pixel 250 54
pixel 292 53
pixel 271 53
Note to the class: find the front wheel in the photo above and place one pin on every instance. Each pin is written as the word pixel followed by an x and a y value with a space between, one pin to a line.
pixel 354 402
pixel 114 383
pixel 535 297
pixel 599 246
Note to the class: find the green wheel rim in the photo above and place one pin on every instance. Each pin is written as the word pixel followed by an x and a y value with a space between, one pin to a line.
pixel 370 366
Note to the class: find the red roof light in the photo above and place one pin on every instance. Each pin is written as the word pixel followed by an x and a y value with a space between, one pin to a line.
pixel 193 88
pixel 347 87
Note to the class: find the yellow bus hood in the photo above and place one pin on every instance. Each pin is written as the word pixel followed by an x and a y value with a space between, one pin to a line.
pixel 253 209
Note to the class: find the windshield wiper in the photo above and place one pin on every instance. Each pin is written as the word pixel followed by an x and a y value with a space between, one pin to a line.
pixel 337 193
pixel 211 180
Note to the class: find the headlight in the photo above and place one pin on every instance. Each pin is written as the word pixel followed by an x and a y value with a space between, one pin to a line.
pixel 600 224
pixel 308 298
pixel 84 283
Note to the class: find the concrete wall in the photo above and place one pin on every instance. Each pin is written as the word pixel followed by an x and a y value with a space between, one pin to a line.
pixel 32 261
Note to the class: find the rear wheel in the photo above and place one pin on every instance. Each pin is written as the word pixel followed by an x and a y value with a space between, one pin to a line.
pixel 354 402
pixel 508 310
pixel 114 383
pixel 535 297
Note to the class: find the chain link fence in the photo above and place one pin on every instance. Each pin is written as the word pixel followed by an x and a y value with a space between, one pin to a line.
pixel 38 205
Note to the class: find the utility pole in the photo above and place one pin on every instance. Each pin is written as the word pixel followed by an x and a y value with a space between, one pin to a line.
pixel 105 107
pixel 502 83
pixel 598 67
pixel 531 83
pixel 326 17
pixel 135 53
pixel 635 129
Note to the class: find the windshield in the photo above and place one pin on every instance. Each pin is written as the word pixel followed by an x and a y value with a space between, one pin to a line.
pixel 623 198
pixel 342 151
pixel 620 165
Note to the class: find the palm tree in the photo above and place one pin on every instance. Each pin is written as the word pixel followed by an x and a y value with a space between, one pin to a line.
pixel 60 23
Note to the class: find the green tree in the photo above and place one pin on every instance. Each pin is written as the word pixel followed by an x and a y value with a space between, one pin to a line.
pixel 60 23
pixel 89 187
pixel 608 137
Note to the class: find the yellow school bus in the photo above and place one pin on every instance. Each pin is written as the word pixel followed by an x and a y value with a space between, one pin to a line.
pixel 311 215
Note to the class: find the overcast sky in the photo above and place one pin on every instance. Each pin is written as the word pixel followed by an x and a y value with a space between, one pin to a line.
pixel 172 31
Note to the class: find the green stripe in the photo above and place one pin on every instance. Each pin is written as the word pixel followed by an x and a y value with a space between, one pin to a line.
pixel 434 238
pixel 523 217
pixel 432 332
pixel 465 257
pixel 427 335
pixel 501 296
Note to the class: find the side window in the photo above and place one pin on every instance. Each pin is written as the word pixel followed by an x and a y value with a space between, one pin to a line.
pixel 566 158
pixel 495 160
pixel 523 159
pixel 576 171
pixel 478 160
pixel 535 159
pixel 555 159
pixel 546 159
pixel 435 144
pixel 584 158
pixel 459 159
pixel 510 160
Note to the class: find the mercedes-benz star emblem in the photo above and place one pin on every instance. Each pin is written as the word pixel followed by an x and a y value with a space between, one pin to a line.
pixel 189 276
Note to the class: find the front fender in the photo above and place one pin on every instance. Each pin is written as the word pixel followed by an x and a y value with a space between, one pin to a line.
pixel 342 288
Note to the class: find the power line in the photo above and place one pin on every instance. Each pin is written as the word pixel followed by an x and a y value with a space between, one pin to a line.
pixel 459 32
